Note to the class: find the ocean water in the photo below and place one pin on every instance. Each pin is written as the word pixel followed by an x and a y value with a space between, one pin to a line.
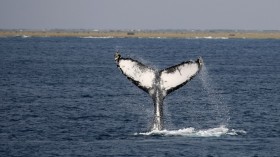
pixel 66 97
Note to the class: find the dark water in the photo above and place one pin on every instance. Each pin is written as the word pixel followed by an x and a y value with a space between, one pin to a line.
pixel 66 97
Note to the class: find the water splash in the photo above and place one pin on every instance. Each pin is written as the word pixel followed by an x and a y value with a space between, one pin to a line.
pixel 192 132
pixel 214 97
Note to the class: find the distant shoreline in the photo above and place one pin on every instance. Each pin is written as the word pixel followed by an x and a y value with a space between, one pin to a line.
pixel 143 34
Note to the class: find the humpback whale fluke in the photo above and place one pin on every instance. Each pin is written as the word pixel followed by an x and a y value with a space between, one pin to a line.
pixel 158 83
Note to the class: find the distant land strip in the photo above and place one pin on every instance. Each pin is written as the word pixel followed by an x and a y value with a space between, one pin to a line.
pixel 143 34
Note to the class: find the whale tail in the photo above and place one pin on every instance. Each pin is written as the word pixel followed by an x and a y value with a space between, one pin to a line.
pixel 156 83
pixel 169 79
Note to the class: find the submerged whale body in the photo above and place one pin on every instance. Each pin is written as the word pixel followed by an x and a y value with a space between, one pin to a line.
pixel 158 83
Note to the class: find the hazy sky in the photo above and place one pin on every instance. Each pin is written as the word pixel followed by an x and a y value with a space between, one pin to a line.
pixel 140 14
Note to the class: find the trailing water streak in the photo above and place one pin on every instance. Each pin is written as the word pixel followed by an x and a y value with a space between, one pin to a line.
pixel 220 107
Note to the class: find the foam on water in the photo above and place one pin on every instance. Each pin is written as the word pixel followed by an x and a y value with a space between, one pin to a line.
pixel 192 132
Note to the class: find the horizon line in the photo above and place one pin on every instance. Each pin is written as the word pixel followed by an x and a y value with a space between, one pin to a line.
pixel 139 30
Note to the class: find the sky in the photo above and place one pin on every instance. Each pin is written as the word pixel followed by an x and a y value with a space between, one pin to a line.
pixel 140 14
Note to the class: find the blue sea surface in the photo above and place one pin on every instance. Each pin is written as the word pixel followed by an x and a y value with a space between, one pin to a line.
pixel 66 97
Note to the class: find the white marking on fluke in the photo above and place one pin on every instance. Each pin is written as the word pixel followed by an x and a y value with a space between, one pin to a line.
pixel 157 83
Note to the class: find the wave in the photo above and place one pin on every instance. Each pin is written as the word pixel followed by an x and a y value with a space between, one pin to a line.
pixel 192 132
pixel 91 37
pixel 210 37
pixel 25 36
pixel 157 37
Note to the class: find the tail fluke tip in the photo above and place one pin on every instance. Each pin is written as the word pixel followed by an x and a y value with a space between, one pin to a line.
pixel 117 56
pixel 200 61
